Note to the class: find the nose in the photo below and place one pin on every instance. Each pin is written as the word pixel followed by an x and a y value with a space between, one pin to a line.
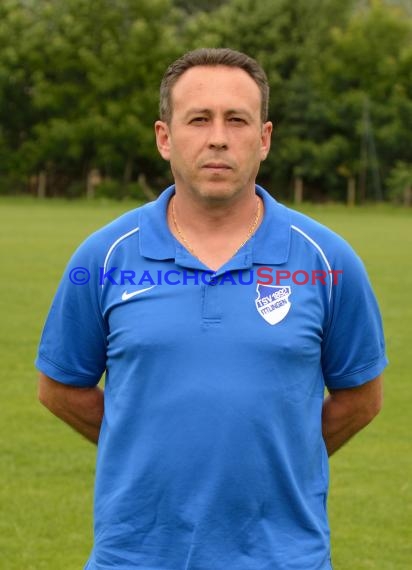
pixel 218 135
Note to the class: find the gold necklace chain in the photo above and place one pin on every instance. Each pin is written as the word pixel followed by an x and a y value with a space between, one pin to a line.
pixel 250 232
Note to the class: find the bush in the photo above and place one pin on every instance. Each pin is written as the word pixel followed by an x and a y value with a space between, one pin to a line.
pixel 76 189
pixel 11 185
pixel 115 190
pixel 109 188
pixel 400 183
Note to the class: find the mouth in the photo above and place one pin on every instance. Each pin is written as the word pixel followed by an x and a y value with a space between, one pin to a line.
pixel 217 166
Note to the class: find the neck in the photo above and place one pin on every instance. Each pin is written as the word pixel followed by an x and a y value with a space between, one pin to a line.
pixel 214 231
pixel 201 214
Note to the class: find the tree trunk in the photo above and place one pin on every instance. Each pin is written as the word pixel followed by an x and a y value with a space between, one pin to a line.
pixel 351 192
pixel 407 196
pixel 298 190
pixel 128 171
pixel 41 184
pixel 93 180
pixel 147 191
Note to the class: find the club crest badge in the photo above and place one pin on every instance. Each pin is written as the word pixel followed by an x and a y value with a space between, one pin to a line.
pixel 272 303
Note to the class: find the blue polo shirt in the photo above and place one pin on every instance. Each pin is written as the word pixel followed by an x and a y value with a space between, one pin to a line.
pixel 211 454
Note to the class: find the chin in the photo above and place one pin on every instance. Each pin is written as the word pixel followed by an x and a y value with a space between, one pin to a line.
pixel 217 193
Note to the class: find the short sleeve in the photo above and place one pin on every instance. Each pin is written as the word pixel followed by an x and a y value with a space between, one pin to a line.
pixel 353 350
pixel 73 343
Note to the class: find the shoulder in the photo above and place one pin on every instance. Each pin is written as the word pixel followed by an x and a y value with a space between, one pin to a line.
pixel 299 228
pixel 329 243
pixel 311 229
pixel 100 244
pixel 124 225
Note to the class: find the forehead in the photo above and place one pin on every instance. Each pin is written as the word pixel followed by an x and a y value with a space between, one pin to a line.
pixel 216 86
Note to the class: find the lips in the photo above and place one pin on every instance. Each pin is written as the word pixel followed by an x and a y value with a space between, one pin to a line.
pixel 217 166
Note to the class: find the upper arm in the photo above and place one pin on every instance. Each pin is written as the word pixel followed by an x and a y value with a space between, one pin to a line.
pixel 46 387
pixel 366 398
pixel 74 339
pixel 53 394
pixel 353 348
pixel 81 408
pixel 49 390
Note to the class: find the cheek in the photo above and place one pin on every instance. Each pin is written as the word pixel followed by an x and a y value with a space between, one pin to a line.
pixel 182 161
pixel 252 152
pixel 185 149
pixel 180 157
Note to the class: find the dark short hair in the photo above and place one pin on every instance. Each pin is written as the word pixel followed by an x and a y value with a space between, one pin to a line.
pixel 211 57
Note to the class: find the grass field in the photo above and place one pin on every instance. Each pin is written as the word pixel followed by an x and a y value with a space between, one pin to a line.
pixel 46 471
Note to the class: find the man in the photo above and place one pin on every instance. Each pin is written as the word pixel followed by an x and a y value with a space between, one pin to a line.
pixel 219 316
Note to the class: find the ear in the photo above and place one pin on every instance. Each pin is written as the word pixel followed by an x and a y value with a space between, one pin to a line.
pixel 265 139
pixel 163 139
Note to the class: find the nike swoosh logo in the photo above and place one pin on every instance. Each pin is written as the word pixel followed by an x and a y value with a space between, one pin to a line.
pixel 126 296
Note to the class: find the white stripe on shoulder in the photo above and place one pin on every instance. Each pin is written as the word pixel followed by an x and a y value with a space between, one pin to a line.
pixel 322 253
pixel 115 244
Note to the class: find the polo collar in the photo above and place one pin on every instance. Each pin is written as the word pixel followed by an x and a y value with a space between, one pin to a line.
pixel 269 245
pixel 156 240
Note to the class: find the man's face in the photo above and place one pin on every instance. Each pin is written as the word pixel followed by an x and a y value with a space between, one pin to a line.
pixel 215 140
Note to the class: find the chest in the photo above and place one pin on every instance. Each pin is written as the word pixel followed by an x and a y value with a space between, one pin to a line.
pixel 193 310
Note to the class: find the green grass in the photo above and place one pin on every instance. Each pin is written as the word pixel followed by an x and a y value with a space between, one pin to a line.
pixel 371 491
pixel 46 473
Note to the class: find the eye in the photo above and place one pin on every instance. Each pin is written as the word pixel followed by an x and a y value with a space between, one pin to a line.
pixel 198 120
pixel 237 120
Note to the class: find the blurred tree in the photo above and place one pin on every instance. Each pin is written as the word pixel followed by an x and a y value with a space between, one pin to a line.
pixel 106 62
pixel 400 183
pixel 193 6
pixel 287 38
pixel 17 115
pixel 323 60
pixel 79 88
pixel 90 98
pixel 370 60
